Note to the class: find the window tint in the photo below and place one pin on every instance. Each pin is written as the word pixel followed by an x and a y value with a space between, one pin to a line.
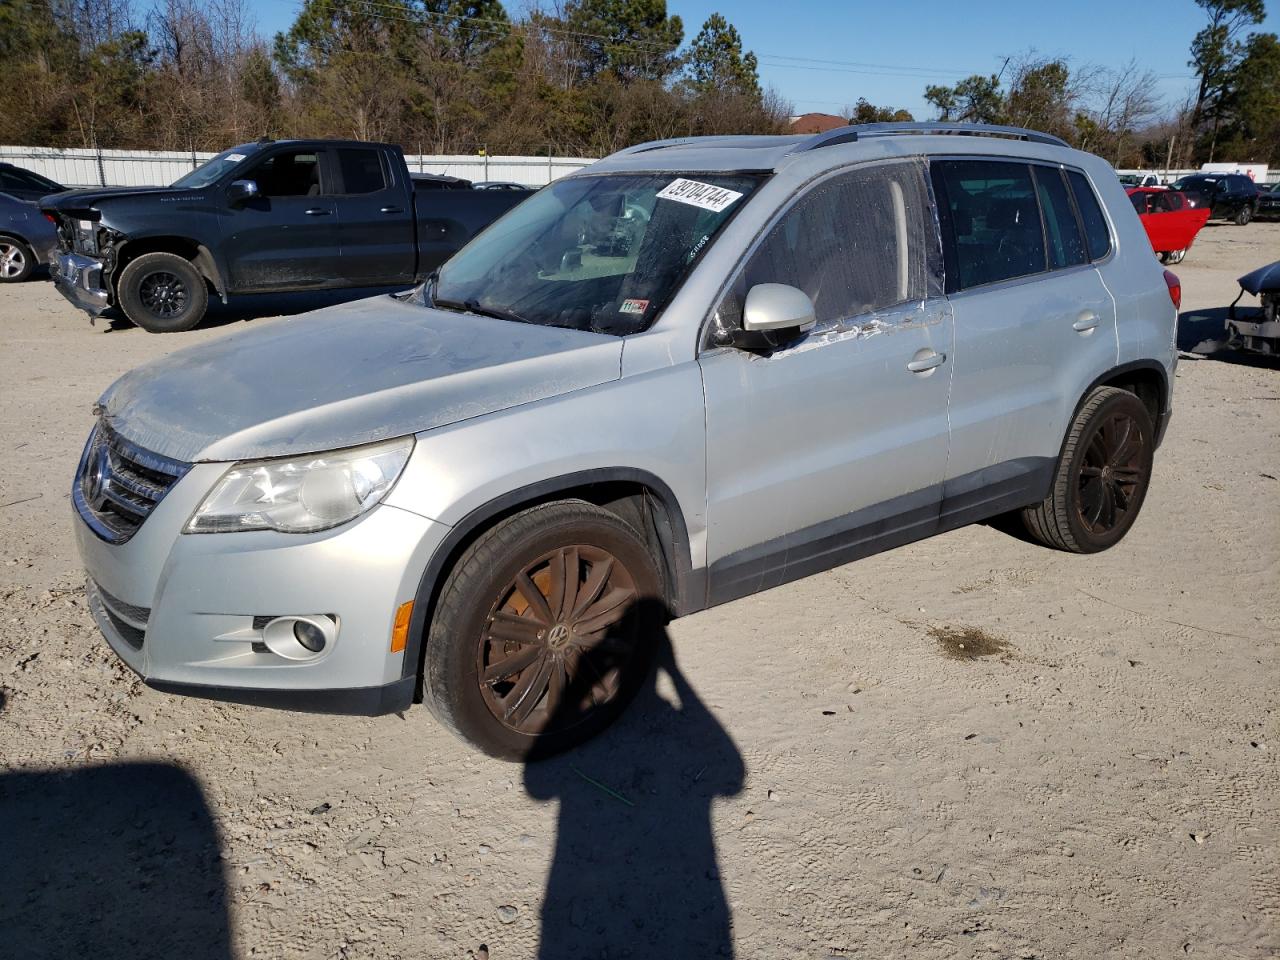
pixel 995 220
pixel 1139 201
pixel 1166 202
pixel 361 171
pixel 1066 245
pixel 855 243
pixel 291 174
pixel 1096 234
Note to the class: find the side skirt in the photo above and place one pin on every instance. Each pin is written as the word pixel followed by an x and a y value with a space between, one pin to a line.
pixel 915 516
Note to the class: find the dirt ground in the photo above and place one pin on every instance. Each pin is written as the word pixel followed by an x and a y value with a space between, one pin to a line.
pixel 970 747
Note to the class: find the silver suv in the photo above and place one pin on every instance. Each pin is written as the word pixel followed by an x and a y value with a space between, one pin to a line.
pixel 696 370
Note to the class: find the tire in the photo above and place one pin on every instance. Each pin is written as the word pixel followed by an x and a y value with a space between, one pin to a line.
pixel 1243 216
pixel 17 260
pixel 1083 514
pixel 523 679
pixel 1173 256
pixel 162 293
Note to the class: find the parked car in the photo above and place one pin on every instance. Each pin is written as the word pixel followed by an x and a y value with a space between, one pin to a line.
pixel 263 217
pixel 490 492
pixel 27 239
pixel 498 185
pixel 1170 221
pixel 1228 196
pixel 25 184
pixel 1269 202
pixel 1260 332
pixel 1139 180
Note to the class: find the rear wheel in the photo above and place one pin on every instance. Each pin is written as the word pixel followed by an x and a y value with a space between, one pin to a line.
pixel 1102 475
pixel 16 260
pixel 1244 216
pixel 543 631
pixel 163 293
pixel 1173 256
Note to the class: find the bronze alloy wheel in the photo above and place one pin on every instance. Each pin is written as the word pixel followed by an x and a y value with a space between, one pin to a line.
pixel 557 641
pixel 1111 473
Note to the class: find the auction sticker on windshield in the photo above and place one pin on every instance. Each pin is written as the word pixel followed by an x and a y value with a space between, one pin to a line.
pixel 697 194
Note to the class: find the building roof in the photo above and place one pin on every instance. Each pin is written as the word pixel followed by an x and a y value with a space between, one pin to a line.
pixel 816 123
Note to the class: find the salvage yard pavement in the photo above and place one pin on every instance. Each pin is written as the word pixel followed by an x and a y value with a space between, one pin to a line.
pixel 971 746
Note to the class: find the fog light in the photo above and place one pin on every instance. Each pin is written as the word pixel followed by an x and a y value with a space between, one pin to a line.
pixel 299 638
pixel 309 635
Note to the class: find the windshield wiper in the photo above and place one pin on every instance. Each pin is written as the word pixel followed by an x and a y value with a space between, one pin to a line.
pixel 474 306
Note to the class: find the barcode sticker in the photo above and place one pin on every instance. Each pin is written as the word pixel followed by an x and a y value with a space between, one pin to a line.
pixel 697 194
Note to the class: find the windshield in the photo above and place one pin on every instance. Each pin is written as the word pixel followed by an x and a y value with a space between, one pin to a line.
pixel 600 253
pixel 211 170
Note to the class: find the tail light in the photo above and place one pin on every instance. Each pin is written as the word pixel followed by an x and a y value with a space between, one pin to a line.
pixel 1175 288
pixel 51 218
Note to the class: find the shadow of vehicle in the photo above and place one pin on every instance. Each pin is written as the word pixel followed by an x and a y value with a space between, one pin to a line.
pixel 249 307
pixel 1203 333
pixel 118 861
pixel 635 870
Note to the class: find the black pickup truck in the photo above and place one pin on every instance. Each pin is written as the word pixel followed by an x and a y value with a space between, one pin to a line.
pixel 263 217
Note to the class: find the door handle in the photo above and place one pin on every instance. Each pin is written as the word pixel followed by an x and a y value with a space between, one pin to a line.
pixel 391 210
pixel 1088 320
pixel 926 363
pixel 317 212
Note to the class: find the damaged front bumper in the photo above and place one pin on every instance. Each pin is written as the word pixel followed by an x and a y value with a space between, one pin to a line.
pixel 79 279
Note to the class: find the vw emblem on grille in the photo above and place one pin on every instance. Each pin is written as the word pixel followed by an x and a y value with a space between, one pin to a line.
pixel 97 476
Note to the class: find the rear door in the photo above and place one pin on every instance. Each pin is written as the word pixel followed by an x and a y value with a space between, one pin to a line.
pixel 287 236
pixel 375 210
pixel 1034 323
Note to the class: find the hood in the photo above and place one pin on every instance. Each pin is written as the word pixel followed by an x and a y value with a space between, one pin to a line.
pixel 70 201
pixel 1264 278
pixel 347 375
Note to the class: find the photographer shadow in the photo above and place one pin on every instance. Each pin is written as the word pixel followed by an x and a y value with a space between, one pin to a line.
pixel 635 872
pixel 118 861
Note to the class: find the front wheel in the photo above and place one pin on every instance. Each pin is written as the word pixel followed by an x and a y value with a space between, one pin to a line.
pixel 163 293
pixel 1102 475
pixel 16 260
pixel 543 631
pixel 1244 216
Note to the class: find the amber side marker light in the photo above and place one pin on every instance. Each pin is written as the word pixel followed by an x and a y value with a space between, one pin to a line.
pixel 400 632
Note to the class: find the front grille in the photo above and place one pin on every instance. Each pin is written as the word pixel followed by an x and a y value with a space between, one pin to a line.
pixel 118 484
pixel 129 620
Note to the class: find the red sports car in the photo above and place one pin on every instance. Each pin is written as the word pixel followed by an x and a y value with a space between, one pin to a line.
pixel 1170 220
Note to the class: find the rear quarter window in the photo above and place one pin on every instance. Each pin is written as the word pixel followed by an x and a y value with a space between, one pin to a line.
pixel 1096 233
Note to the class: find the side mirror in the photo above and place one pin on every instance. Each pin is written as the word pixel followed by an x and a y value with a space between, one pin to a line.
pixel 241 191
pixel 773 316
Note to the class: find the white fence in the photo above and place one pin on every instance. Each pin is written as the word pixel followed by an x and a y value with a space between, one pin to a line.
pixel 141 168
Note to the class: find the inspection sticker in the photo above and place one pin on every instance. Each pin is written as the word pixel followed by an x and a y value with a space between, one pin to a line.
pixel 697 194
pixel 634 306
pixel 234 157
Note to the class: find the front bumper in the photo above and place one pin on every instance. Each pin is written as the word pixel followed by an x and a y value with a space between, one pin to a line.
pixel 79 279
pixel 184 611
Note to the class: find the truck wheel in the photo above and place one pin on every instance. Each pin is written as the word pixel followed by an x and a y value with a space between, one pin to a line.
pixel 1101 478
pixel 162 293
pixel 16 260
pixel 1244 216
pixel 543 631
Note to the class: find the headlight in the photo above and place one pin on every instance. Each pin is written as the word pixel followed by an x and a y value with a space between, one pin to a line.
pixel 303 495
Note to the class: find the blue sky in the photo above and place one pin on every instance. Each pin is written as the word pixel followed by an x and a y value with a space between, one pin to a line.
pixel 889 52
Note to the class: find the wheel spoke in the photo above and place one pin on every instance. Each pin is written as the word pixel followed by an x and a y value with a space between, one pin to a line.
pixel 526 694
pixel 1108 512
pixel 590 590
pixel 1120 497
pixel 1091 501
pixel 605 611
pixel 537 602
pixel 510 628
pixel 1088 471
pixel 512 664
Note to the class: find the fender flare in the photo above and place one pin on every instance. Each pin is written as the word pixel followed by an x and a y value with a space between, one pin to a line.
pixel 687 587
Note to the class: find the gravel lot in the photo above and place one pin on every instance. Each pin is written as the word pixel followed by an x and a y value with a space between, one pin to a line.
pixel 824 772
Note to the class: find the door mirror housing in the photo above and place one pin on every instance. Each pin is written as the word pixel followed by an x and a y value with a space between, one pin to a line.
pixel 774 315
pixel 241 191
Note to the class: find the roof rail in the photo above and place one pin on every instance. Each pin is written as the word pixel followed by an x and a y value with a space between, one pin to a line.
pixel 867 130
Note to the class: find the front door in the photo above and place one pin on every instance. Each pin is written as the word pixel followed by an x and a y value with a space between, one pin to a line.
pixel 287 236
pixel 835 446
